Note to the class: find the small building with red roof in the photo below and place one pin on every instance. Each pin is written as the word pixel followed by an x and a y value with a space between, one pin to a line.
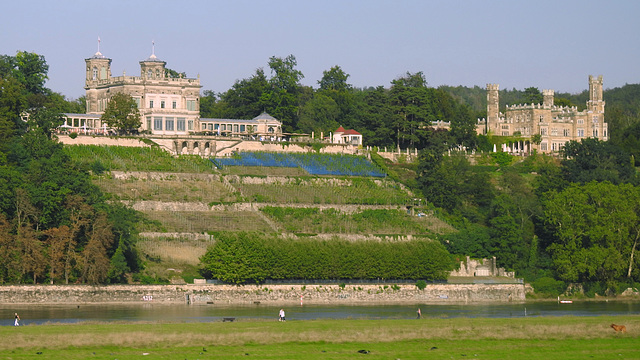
pixel 342 136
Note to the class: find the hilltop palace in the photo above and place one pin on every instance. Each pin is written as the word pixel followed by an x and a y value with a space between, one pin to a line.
pixel 168 105
pixel 556 124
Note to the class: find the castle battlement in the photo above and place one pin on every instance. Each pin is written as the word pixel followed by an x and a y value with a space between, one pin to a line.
pixel 555 125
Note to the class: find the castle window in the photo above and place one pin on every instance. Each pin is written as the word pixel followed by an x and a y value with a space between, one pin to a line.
pixel 543 146
pixel 95 73
pixel 580 121
pixel 204 126
pixel 235 128
pixel 180 124
pixel 595 132
pixel 580 132
pixel 162 104
pixel 541 118
pixel 543 131
pixel 168 124
pixel 191 105
pixel 103 73
pixel 149 123
pixel 137 100
pixel 242 128
pixel 595 119
pixel 565 132
pixel 149 74
pixel 190 125
pixel 157 74
pixel 150 104
pixel 157 123
pixel 554 131
pixel 174 105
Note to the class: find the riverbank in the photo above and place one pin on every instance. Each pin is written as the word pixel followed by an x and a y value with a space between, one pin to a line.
pixel 252 294
pixel 474 338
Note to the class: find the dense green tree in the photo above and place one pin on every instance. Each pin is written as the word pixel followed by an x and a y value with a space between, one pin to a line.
pixel 595 229
pixel 281 99
pixel 592 159
pixel 334 85
pixel 371 114
pixel 532 95
pixel 122 113
pixel 319 114
pixel 245 98
pixel 31 71
pixel 506 234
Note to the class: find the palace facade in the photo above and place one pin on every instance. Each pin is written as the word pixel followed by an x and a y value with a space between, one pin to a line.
pixel 168 105
pixel 556 125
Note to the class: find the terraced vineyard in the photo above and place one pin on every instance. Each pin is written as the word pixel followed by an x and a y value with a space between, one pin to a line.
pixel 187 198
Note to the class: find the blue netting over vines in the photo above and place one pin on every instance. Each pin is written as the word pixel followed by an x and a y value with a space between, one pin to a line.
pixel 314 164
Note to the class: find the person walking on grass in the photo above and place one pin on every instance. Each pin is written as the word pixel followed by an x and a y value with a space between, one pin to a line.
pixel 16 322
pixel 281 315
pixel 419 313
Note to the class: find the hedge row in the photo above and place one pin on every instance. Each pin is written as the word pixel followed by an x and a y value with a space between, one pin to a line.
pixel 254 257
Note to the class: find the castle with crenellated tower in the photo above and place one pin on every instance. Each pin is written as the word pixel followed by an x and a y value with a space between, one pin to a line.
pixel 556 125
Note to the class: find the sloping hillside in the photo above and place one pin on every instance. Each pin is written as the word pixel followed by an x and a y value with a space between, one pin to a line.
pixel 188 199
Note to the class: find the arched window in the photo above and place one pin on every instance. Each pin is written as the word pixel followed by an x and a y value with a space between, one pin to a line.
pixel 157 74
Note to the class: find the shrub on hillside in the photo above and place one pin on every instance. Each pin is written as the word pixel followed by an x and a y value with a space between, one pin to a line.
pixel 240 258
pixel 549 286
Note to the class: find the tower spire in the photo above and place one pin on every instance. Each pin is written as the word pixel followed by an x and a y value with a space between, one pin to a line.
pixel 153 49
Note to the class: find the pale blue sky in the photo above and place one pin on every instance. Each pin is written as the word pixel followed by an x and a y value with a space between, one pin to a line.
pixel 542 43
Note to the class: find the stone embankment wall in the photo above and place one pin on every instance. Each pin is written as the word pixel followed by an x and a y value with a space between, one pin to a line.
pixel 267 294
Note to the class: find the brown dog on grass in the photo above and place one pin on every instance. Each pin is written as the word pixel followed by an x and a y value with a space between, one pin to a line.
pixel 619 328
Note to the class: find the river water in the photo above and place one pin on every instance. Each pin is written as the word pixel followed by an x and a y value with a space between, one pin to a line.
pixel 149 312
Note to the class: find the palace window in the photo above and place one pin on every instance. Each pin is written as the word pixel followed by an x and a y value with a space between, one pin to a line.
pixel 137 100
pixel 543 146
pixel 554 131
pixel 180 124
pixel 157 73
pixel 543 131
pixel 565 132
pixel 149 74
pixel 150 104
pixel 162 104
pixel 148 122
pixel 157 123
pixel 103 73
pixel 541 118
pixel 168 124
pixel 595 132
pixel 95 73
pixel 595 119
pixel 190 125
pixel 242 128
pixel 191 105
pixel 235 128
pixel 174 105
pixel 580 121
pixel 580 132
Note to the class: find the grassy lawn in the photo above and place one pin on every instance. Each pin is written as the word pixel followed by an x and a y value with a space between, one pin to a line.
pixel 545 338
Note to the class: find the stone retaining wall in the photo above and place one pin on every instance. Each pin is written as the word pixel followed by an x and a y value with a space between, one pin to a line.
pixel 267 294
